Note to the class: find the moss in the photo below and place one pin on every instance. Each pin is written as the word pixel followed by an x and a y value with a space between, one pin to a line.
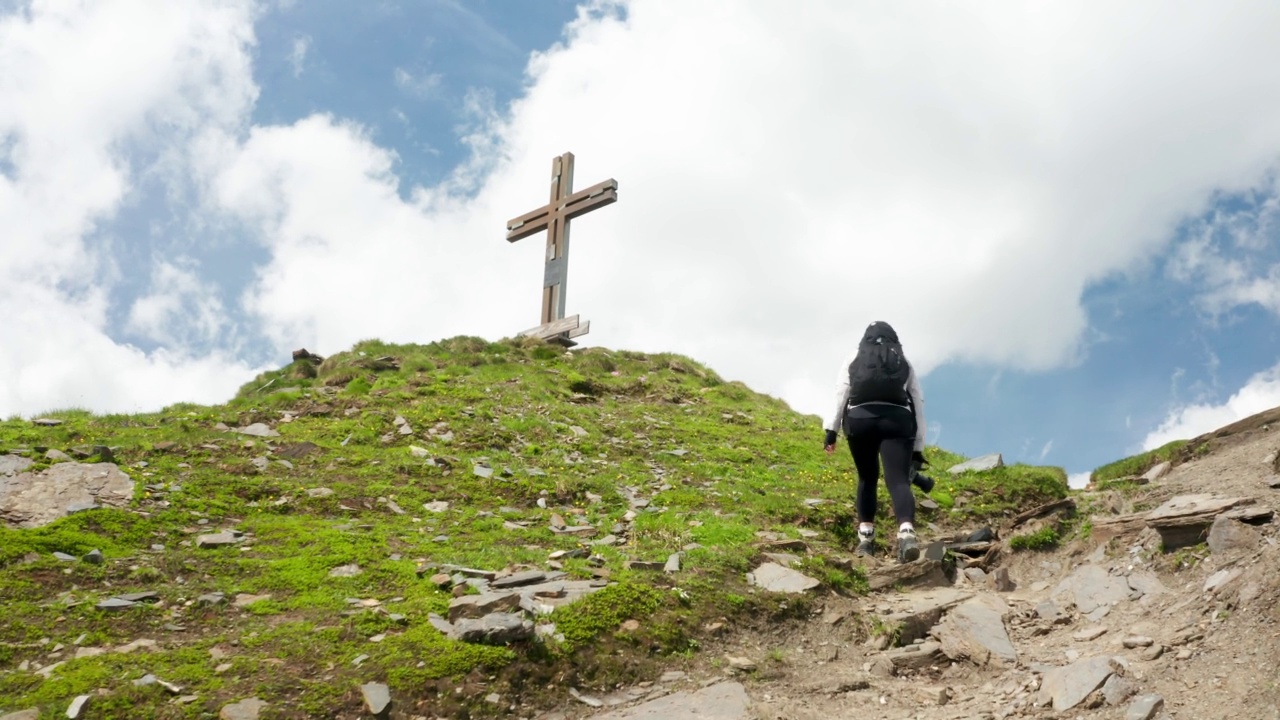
pixel 604 611
pixel 1043 539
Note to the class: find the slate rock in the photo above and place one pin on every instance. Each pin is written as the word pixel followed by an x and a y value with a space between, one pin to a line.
pixel 1156 472
pixel 1117 689
pixel 94 557
pixel 115 604
pixel 215 540
pixel 246 709
pixel 975 631
pixel 776 578
pixel 1144 707
pixel 1227 535
pixel 46 422
pixel 345 571
pixel 13 464
pixel 493 629
pixel 377 697
pixel 77 706
pixel 320 492
pixel 979 464
pixel 257 430
pixel 721 701
pixel 64 557
pixel 30 500
pixel 477 606
pixel 530 577
pixel 57 456
pixel 1091 586
pixel 28 714
pixel 1069 685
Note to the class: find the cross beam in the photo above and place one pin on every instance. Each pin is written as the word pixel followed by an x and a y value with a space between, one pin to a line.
pixel 554 217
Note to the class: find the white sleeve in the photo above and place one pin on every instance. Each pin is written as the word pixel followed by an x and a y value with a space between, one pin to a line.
pixel 917 402
pixel 842 396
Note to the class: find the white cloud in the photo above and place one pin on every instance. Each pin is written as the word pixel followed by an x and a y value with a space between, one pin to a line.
pixel 1078 480
pixel 298 55
pixel 420 86
pixel 179 310
pixel 1044 451
pixel 102 87
pixel 963 172
pixel 1261 392
pixel 787 177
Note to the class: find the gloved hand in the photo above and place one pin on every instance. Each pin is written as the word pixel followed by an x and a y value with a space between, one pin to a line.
pixel 830 439
pixel 918 461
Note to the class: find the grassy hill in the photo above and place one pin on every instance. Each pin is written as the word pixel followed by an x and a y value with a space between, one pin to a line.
pixel 400 461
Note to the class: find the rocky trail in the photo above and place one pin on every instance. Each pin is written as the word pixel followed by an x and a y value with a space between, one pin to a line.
pixel 1139 620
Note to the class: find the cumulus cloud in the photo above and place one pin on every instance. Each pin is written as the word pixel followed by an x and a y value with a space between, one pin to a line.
pixel 1261 392
pixel 786 177
pixel 1231 256
pixel 101 86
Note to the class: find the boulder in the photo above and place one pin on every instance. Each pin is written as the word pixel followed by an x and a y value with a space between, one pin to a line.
pixel 975 631
pixel 978 464
pixel 29 500
pixel 1069 685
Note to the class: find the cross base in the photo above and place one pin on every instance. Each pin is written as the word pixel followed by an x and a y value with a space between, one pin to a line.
pixel 560 331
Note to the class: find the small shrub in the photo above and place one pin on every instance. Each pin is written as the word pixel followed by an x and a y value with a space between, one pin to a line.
pixel 1042 539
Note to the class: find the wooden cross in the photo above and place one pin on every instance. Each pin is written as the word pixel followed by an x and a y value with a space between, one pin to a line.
pixel 554 217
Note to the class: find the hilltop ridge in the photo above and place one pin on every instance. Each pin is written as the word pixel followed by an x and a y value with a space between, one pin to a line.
pixel 340 526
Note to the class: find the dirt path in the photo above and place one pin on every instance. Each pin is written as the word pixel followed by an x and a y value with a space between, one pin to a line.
pixel 1104 628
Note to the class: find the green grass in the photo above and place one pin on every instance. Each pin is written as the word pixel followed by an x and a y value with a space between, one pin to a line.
pixel 717 463
pixel 1138 464
pixel 1045 538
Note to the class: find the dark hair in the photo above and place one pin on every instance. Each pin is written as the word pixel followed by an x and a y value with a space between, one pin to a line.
pixel 880 329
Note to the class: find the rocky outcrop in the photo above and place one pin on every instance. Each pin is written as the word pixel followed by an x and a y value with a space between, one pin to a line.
pixel 29 500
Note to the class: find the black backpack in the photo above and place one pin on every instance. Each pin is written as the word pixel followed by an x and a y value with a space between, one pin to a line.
pixel 879 373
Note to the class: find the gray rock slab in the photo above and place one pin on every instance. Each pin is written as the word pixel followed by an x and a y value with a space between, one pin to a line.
pixel 722 701
pixel 29 500
pixel 477 606
pixel 1157 472
pixel 345 571
pixel 978 464
pixel 1091 587
pixel 1069 685
pixel 975 631
pixel 377 697
pixel 77 706
pixel 1144 707
pixel 116 604
pixel 257 430
pixel 246 709
pixel 214 540
pixel 14 464
pixel 1228 535
pixel 529 577
pixel 28 714
pixel 776 578
pixel 493 629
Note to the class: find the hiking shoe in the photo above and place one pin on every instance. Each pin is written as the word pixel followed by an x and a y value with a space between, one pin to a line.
pixel 908 547
pixel 924 482
pixel 866 545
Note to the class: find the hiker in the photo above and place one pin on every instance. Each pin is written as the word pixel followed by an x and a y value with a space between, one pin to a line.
pixel 880 407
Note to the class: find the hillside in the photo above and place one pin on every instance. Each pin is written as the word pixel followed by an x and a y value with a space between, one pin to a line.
pixel 302 549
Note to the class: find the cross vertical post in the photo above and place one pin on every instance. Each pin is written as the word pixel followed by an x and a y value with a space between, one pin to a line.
pixel 554 217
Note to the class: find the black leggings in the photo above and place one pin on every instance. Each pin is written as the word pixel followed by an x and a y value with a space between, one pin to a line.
pixel 882 431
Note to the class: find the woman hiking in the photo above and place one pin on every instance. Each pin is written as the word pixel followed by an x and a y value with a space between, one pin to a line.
pixel 881 409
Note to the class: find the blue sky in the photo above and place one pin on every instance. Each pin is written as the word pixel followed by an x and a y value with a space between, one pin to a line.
pixel 1071 214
